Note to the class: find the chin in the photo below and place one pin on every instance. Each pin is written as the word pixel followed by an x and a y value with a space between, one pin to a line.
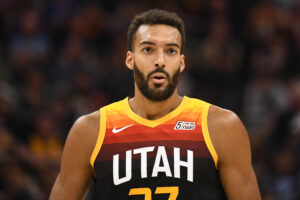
pixel 158 85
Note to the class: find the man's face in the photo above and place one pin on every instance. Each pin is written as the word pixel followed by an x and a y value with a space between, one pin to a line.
pixel 156 60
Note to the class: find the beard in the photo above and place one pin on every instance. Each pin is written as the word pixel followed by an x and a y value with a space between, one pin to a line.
pixel 158 92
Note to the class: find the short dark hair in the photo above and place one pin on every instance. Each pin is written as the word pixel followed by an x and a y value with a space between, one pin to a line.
pixel 153 17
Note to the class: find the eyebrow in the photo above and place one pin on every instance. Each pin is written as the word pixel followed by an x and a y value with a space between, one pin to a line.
pixel 173 44
pixel 146 42
pixel 152 43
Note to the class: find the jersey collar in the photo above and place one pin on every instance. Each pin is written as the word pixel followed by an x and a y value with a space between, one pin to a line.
pixel 156 122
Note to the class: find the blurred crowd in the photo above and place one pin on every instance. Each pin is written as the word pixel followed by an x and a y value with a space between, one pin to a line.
pixel 60 59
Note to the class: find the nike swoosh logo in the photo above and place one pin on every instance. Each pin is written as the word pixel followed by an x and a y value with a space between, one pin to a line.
pixel 121 129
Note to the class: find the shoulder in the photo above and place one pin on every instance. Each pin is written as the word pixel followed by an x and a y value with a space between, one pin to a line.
pixel 84 131
pixel 91 122
pixel 222 118
pixel 227 132
pixel 88 123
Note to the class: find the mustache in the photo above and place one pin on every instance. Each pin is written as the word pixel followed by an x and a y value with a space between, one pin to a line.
pixel 159 70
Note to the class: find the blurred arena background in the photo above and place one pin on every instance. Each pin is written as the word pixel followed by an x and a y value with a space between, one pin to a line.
pixel 60 59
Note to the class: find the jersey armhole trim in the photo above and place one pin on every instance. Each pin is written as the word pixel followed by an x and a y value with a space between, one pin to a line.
pixel 101 134
pixel 206 135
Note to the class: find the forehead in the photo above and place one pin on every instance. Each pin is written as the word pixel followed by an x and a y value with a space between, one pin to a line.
pixel 157 34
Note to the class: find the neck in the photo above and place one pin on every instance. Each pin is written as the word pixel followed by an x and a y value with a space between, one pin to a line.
pixel 153 109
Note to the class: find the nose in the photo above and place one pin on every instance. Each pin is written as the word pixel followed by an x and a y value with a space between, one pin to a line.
pixel 160 61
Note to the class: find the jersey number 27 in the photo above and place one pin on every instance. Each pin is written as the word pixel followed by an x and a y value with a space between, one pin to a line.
pixel 173 191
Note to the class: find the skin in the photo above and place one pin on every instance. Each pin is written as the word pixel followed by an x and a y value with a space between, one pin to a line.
pixel 76 173
pixel 231 142
pixel 159 46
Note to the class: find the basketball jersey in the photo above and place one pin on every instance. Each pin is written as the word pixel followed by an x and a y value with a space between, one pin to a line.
pixel 171 158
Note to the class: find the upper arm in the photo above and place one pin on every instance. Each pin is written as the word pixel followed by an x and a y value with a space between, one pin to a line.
pixel 231 143
pixel 76 173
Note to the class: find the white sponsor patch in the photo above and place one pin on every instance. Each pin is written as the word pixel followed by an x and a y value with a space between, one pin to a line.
pixel 182 125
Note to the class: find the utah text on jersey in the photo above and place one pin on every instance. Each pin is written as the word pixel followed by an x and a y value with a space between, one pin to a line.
pixel 161 164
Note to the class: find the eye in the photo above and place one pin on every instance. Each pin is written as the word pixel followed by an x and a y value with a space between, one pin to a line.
pixel 172 51
pixel 147 50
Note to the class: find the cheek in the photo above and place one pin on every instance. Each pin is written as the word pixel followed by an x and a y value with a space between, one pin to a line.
pixel 143 65
pixel 173 60
pixel 143 70
pixel 145 61
pixel 173 64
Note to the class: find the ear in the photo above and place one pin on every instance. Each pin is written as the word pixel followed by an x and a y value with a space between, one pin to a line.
pixel 182 62
pixel 129 61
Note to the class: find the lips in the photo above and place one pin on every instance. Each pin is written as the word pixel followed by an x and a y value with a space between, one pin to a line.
pixel 158 78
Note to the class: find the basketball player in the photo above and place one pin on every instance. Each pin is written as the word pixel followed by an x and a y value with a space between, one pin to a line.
pixel 157 144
